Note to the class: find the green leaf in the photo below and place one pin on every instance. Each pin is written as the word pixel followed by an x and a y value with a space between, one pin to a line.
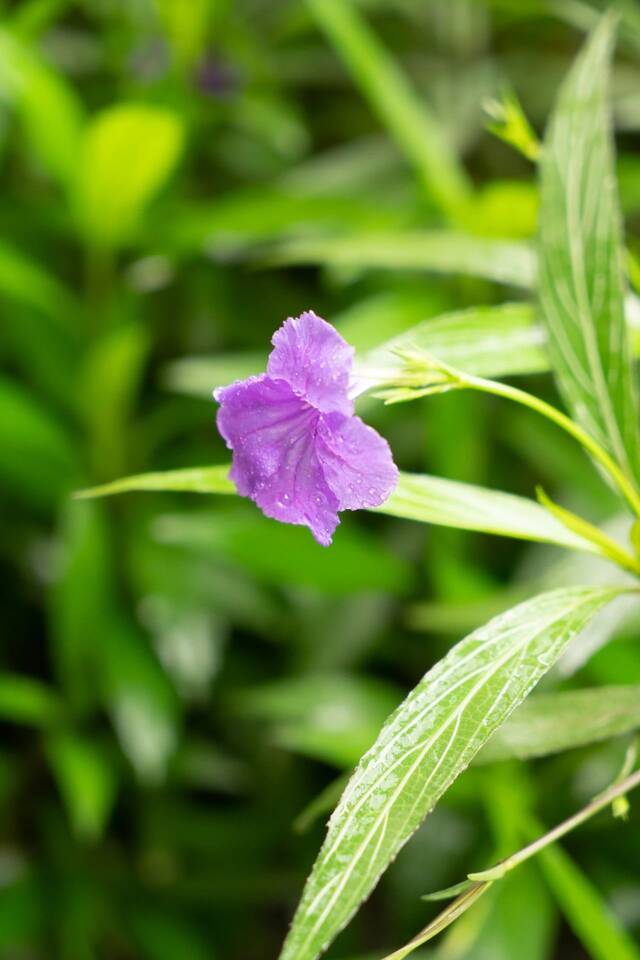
pixel 140 700
pixel 24 699
pixel 242 219
pixel 86 780
pixel 520 902
pixel 49 109
pixel 511 125
pixel 457 908
pixel 190 480
pixel 107 384
pixel 28 283
pixel 449 503
pixel 201 375
pixel 80 601
pixel 580 273
pixel 424 746
pixel 364 325
pixel 126 155
pixel 448 893
pixel 502 261
pixel 416 130
pixel 186 26
pixel 493 341
pixel 332 717
pixel 420 497
pixel 323 803
pixel 484 341
pixel 279 553
pixel 38 460
pixel 552 722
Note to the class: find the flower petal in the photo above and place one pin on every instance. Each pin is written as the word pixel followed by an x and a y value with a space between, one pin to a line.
pixel 314 360
pixel 357 462
pixel 272 433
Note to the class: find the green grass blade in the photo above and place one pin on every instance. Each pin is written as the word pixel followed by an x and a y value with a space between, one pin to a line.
pixel 580 275
pixel 552 722
pixel 416 130
pixel 424 746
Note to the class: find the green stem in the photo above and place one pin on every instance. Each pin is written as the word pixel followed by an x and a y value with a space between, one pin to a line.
pixel 479 883
pixel 600 455
pixel 606 545
pixel 603 800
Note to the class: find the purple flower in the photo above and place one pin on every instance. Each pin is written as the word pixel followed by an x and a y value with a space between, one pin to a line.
pixel 298 450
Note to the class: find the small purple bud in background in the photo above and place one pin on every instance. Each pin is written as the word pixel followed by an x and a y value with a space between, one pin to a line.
pixel 216 77
pixel 299 452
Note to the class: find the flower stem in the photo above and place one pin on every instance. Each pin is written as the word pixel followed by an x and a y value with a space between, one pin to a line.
pixel 605 544
pixel 423 375
pixel 478 883
pixel 603 800
pixel 600 455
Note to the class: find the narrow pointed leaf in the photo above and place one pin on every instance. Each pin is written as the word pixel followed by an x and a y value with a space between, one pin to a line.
pixel 449 503
pixel 424 746
pixel 449 892
pixel 437 251
pixel 552 722
pixel 190 480
pixel 485 341
pixel 494 341
pixel 417 131
pixel 580 275
pixel 449 915
pixel 420 497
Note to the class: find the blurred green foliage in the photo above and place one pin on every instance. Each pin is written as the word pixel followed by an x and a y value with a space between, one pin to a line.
pixel 180 680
